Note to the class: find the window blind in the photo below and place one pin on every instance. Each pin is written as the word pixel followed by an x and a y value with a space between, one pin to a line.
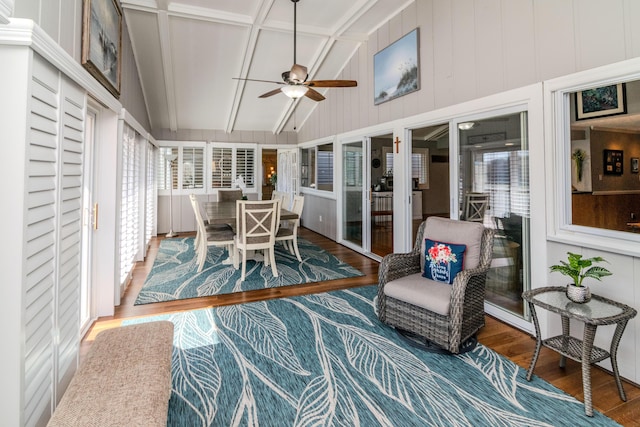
pixel 192 168
pixel 164 169
pixel 245 165
pixel 221 167
pixel 150 201
pixel 129 204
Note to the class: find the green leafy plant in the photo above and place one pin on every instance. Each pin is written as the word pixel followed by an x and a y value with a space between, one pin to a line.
pixel 579 155
pixel 579 269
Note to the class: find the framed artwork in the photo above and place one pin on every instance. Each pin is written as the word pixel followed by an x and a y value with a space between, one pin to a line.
pixel 102 42
pixel 634 165
pixel 396 70
pixel 612 162
pixel 601 101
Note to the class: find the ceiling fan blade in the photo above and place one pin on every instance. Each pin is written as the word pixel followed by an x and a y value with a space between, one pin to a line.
pixel 256 80
pixel 298 73
pixel 270 93
pixel 331 83
pixel 312 94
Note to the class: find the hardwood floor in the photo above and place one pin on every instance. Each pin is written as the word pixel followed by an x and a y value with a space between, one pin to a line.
pixel 510 342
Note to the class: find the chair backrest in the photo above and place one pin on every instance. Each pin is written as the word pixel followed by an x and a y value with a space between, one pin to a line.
pixel 256 223
pixel 296 207
pixel 282 196
pixel 471 234
pixel 202 229
pixel 229 195
pixel 475 206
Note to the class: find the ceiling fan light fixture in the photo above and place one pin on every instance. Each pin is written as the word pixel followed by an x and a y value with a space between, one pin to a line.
pixel 294 91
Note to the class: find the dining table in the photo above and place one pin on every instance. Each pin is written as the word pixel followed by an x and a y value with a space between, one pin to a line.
pixel 225 213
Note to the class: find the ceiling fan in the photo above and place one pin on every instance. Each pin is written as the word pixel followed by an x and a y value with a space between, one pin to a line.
pixel 294 82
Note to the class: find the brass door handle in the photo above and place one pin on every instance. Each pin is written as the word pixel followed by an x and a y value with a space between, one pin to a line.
pixel 95 216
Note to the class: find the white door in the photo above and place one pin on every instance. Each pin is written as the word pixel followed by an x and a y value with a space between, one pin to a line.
pixel 89 223
pixel 288 172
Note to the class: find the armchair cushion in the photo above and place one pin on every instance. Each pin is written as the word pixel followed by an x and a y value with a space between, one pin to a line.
pixel 415 289
pixel 459 232
pixel 443 260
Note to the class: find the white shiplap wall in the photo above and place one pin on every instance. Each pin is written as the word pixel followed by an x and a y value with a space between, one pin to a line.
pixel 474 48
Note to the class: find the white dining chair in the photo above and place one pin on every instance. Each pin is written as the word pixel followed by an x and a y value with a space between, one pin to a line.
pixel 195 204
pixel 229 195
pixel 475 206
pixel 286 200
pixel 216 236
pixel 288 231
pixel 256 224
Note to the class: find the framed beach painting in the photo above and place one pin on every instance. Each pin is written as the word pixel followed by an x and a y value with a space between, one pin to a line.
pixel 102 42
pixel 396 69
pixel 602 101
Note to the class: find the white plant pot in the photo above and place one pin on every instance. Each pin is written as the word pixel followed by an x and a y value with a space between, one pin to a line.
pixel 579 294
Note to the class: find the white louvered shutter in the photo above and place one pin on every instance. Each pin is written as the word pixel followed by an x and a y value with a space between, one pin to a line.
pixel 151 196
pixel 130 200
pixel 221 167
pixel 246 166
pixel 164 170
pixel 192 168
pixel 52 240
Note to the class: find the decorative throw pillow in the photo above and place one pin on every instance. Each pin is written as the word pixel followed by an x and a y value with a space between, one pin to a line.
pixel 443 261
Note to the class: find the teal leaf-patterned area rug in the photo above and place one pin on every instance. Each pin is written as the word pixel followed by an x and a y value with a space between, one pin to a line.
pixel 174 273
pixel 326 360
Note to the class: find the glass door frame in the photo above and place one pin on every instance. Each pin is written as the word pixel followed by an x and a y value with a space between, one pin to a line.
pixel 522 322
pixel 365 247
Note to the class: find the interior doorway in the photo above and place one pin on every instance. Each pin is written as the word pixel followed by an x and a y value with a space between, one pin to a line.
pixel 381 194
pixel 429 173
pixel 269 172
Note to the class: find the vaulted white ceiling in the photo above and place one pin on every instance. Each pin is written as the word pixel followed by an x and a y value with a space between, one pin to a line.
pixel 188 52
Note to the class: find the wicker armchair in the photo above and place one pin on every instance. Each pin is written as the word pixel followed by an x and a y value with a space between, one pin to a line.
pixel 445 315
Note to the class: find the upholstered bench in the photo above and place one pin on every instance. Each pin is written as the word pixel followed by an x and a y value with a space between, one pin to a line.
pixel 125 379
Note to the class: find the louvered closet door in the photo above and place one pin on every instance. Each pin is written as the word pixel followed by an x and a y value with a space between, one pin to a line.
pixel 52 240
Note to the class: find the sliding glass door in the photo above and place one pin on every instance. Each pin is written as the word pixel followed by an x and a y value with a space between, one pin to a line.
pixel 353 194
pixel 494 189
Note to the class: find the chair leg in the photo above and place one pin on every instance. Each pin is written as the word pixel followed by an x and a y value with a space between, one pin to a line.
pixel 272 255
pixel 294 243
pixel 244 265
pixel 236 257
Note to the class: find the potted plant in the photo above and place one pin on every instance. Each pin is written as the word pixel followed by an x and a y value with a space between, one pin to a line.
pixel 579 269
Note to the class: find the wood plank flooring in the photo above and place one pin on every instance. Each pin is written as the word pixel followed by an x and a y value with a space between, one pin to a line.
pixel 510 342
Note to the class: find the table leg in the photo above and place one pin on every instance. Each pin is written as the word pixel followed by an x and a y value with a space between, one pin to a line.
pixel 615 341
pixel 587 346
pixel 536 353
pixel 566 331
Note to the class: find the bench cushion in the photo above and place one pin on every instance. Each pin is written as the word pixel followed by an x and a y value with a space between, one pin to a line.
pixel 426 293
pixel 124 380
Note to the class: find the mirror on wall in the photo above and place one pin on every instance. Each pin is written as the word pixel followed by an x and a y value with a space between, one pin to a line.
pixel 604 156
